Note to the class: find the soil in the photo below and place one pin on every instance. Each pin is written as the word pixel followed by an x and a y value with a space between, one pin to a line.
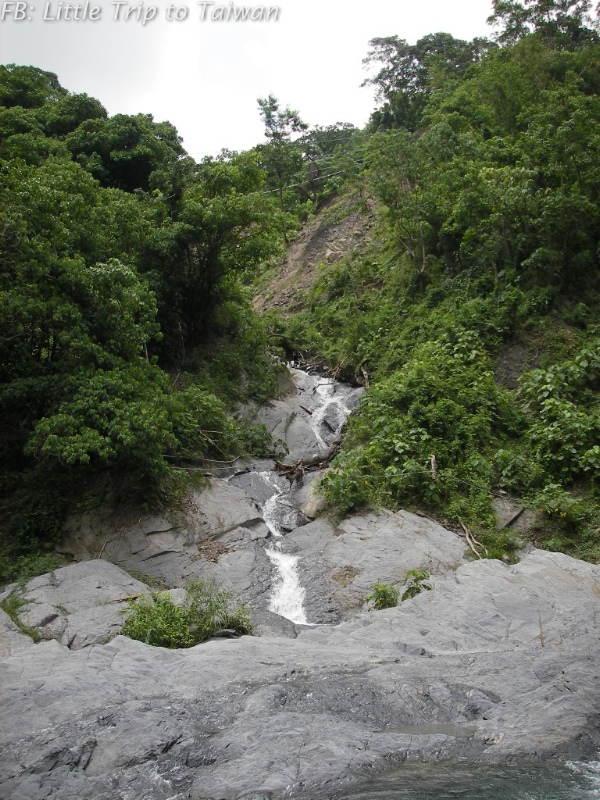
pixel 334 235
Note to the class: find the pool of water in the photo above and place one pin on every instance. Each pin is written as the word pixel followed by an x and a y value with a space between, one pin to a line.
pixel 570 781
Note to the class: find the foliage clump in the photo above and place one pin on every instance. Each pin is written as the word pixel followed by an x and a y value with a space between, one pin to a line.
pixel 383 596
pixel 416 581
pixel 158 621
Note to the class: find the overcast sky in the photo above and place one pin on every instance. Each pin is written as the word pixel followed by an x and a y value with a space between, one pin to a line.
pixel 205 76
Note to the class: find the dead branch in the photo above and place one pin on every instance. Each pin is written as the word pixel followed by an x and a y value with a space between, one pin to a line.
pixel 102 549
pixel 128 597
pixel 294 471
pixel 434 475
pixel 472 541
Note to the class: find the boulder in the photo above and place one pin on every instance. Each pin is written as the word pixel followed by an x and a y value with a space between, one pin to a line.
pixel 511 514
pixel 78 605
pixel 339 564
pixel 173 550
pixel 11 639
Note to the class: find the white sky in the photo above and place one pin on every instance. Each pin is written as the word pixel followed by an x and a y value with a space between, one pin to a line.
pixel 205 77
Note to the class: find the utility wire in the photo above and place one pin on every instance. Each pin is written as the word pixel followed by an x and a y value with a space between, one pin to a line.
pixel 317 178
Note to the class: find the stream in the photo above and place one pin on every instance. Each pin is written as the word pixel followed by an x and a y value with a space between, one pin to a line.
pixel 545 781
pixel 324 406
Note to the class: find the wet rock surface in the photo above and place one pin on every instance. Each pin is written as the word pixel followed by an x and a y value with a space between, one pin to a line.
pixel 495 664
pixel 302 421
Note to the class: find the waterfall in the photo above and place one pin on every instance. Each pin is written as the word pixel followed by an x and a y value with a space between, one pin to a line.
pixel 326 416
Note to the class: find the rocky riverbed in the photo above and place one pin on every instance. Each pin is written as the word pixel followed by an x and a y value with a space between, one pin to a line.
pixel 496 664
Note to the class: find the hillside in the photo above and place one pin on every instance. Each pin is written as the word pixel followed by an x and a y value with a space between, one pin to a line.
pixel 343 227
pixel 472 310
pixel 446 255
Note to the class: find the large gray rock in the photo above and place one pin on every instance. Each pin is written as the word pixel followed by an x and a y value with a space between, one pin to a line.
pixel 78 605
pixel 511 514
pixel 11 639
pixel 175 549
pixel 339 564
pixel 495 664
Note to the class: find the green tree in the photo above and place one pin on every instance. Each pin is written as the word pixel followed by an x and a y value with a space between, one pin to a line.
pixel 327 152
pixel 408 73
pixel 22 136
pixel 67 113
pixel 28 87
pixel 124 151
pixel 224 228
pixel 64 315
pixel 281 156
pixel 564 22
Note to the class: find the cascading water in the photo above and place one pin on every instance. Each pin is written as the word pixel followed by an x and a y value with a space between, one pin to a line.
pixel 323 408
pixel 331 411
pixel 287 596
pixel 326 420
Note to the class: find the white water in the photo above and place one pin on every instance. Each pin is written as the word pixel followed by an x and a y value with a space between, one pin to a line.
pixel 589 773
pixel 542 781
pixel 328 398
pixel 287 597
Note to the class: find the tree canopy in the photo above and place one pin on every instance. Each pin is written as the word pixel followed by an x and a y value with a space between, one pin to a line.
pixel 121 261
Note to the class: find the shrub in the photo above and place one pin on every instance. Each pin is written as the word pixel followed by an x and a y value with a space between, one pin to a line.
pixel 415 582
pixel 157 621
pixel 443 401
pixel 383 596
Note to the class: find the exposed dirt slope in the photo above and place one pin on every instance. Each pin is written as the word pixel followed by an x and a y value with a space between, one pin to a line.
pixel 337 232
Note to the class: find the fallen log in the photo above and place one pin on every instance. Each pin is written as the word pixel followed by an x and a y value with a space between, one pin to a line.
pixel 295 470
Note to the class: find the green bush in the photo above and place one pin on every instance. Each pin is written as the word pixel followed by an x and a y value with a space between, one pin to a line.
pixel 443 401
pixel 157 621
pixel 383 596
pixel 564 414
pixel 416 581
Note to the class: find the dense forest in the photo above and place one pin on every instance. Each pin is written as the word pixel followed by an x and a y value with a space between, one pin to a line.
pixel 127 335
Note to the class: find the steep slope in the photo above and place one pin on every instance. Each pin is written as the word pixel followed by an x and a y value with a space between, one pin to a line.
pixel 342 228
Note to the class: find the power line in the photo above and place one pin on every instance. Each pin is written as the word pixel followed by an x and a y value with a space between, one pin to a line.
pixel 317 178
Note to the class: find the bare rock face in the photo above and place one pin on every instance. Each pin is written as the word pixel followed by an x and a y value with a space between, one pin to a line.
pixel 78 605
pixel 495 664
pixel 11 639
pixel 340 564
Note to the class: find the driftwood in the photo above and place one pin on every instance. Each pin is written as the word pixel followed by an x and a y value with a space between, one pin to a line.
pixel 294 471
